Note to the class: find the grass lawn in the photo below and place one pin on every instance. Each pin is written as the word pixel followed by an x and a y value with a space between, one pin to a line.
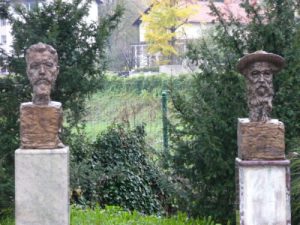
pixel 106 108
pixel 116 216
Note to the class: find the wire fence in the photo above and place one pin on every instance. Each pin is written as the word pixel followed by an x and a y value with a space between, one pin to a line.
pixel 131 110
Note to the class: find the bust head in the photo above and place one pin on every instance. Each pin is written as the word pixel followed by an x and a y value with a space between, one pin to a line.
pixel 259 68
pixel 42 70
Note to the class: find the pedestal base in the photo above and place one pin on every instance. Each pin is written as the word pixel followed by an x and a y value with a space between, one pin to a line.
pixel 264 192
pixel 42 186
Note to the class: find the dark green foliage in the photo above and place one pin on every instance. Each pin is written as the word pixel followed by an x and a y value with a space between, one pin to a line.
pixel 117 172
pixel 4 4
pixel 81 50
pixel 204 141
pixel 295 189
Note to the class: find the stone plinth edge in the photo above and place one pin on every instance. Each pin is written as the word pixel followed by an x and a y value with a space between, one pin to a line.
pixel 254 163
pixel 54 151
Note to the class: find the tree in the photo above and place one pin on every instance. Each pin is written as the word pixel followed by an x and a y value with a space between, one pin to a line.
pixel 4 9
pixel 81 49
pixel 162 21
pixel 204 142
pixel 121 56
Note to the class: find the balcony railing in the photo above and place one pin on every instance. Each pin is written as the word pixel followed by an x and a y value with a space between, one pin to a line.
pixel 142 58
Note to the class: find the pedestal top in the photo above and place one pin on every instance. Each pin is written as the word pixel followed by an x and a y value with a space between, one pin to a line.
pixel 22 151
pixel 51 104
pixel 247 120
pixel 252 163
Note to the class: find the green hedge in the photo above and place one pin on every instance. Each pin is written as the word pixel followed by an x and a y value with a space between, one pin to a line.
pixel 154 83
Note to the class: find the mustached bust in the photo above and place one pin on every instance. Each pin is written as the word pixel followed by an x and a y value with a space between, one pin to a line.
pixel 41 119
pixel 259 68
pixel 42 71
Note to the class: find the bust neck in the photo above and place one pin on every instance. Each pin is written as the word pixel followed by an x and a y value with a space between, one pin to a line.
pixel 41 99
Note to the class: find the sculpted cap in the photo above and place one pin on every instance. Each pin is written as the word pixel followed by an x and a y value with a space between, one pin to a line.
pixel 260 56
pixel 259 68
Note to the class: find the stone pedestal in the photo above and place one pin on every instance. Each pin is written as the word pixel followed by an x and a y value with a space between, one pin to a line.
pixel 264 192
pixel 261 140
pixel 42 186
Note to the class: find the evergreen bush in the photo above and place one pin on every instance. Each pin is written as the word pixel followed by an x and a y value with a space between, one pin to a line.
pixel 117 172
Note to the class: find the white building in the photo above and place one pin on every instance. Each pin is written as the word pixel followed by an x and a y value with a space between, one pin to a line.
pixel 6 38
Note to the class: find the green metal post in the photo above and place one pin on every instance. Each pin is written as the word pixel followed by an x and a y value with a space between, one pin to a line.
pixel 164 101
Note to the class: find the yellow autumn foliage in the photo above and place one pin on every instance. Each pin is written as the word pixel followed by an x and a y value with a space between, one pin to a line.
pixel 163 20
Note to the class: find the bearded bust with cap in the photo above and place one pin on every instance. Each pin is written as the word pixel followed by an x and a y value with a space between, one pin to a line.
pixel 259 68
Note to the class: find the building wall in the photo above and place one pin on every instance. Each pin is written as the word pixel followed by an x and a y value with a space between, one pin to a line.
pixel 190 31
pixel 5 30
pixel 186 31
pixel 5 35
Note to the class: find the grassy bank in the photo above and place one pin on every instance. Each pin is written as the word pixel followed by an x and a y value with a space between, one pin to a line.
pixel 116 216
pixel 132 101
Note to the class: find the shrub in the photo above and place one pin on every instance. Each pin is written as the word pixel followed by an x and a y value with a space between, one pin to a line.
pixel 117 172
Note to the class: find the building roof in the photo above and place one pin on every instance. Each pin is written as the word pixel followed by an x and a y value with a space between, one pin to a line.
pixel 228 7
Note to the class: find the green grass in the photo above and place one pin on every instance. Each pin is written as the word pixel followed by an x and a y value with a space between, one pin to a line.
pixel 106 108
pixel 112 215
pixel 132 101
pixel 116 216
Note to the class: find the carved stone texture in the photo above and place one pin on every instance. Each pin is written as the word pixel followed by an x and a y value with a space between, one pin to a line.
pixel 259 68
pixel 261 140
pixel 41 119
pixel 40 125
pixel 42 70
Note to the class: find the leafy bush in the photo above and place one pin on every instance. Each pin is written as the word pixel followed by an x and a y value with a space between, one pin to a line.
pixel 117 172
pixel 295 189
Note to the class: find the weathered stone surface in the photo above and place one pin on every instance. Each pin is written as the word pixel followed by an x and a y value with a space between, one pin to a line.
pixel 259 68
pixel 42 186
pixel 261 140
pixel 42 70
pixel 264 192
pixel 40 125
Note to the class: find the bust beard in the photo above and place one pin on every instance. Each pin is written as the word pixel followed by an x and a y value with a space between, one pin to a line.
pixel 41 93
pixel 260 106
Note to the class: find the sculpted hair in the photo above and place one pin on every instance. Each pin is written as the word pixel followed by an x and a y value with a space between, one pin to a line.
pixel 41 47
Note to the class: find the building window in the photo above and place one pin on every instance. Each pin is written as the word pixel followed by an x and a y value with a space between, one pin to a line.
pixel 3 22
pixel 3 39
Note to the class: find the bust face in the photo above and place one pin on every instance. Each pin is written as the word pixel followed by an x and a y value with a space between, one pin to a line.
pixel 42 71
pixel 260 75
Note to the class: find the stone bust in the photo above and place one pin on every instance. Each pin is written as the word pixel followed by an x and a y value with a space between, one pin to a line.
pixel 42 70
pixel 41 119
pixel 259 68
